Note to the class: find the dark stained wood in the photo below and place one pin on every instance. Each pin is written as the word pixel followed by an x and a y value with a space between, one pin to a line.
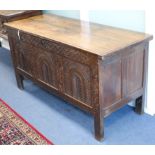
pixel 112 83
pixel 140 101
pixel 98 70
pixel 12 15
pixel 134 69
pixel 139 105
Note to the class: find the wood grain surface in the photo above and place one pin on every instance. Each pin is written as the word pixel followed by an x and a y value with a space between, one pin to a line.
pixel 95 38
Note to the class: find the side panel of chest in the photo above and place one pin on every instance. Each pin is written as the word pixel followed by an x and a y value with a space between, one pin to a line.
pixel 123 76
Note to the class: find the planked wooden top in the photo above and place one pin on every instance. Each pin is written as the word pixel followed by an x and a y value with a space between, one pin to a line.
pixel 10 12
pixel 95 38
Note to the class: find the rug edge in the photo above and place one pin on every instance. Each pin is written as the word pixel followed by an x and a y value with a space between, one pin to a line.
pixel 25 121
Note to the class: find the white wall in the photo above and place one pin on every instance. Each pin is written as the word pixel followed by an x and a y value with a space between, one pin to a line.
pixel 128 19
pixel 150 28
pixel 66 13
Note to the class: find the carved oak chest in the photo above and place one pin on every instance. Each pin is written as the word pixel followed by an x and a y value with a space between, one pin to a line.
pixel 94 67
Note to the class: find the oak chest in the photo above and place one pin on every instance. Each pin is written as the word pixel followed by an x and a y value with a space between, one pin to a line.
pixel 95 67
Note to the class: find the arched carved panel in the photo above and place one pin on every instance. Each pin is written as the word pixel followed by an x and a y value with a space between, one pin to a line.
pixel 77 85
pixel 38 63
pixel 46 68
pixel 77 81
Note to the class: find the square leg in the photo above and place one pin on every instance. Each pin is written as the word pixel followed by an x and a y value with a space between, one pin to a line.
pixel 99 126
pixel 19 79
pixel 139 105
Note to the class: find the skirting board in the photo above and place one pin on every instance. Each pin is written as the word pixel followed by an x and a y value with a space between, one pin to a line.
pixel 149 111
pixel 5 43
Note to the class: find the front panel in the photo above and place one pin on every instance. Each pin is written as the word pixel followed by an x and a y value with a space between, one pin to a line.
pixel 38 63
pixel 77 81
pixel 67 70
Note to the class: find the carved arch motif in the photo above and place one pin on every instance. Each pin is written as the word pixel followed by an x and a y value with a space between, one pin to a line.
pixel 77 81
pixel 45 69
pixel 77 85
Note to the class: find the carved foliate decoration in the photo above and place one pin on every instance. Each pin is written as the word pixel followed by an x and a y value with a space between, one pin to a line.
pixel 58 48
